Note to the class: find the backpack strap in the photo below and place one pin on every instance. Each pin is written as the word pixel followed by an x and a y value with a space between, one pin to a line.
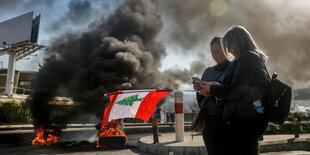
pixel 267 71
pixel 274 75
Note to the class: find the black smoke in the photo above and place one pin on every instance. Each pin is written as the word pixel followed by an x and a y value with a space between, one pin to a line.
pixel 278 27
pixel 116 53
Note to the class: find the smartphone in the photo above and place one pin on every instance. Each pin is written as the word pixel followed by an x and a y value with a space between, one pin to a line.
pixel 197 81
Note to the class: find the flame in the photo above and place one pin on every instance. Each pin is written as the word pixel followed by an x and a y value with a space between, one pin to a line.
pixel 44 138
pixel 110 130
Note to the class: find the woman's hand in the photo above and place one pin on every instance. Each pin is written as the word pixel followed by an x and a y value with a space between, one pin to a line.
pixel 195 86
pixel 206 86
pixel 205 89
pixel 214 83
pixel 204 93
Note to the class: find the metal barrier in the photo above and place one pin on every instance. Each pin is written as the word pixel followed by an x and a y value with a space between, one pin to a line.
pixel 296 124
pixel 16 88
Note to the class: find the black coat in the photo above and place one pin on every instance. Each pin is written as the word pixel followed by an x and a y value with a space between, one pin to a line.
pixel 215 73
pixel 245 82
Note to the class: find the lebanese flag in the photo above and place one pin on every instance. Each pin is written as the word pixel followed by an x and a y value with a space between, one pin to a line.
pixel 132 104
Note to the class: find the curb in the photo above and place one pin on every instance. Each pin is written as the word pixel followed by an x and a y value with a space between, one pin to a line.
pixel 271 146
pixel 285 145
pixel 161 149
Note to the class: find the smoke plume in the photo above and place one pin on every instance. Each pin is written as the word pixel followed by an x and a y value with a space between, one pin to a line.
pixel 116 53
pixel 278 27
pixel 121 51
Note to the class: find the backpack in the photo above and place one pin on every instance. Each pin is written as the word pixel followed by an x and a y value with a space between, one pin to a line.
pixel 278 100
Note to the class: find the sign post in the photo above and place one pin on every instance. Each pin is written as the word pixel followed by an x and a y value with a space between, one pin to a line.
pixel 179 116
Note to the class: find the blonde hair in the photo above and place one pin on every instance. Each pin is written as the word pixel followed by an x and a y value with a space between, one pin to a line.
pixel 240 40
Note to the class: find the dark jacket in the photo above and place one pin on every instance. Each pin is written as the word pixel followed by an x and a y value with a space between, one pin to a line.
pixel 245 82
pixel 215 73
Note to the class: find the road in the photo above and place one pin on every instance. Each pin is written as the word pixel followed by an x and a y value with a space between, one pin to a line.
pixel 28 149
pixel 76 144
pixel 73 147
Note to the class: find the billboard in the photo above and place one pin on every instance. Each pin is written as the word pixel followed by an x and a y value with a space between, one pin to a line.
pixel 16 30
pixel 35 29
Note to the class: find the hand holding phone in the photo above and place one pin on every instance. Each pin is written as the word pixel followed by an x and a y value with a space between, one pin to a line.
pixel 197 81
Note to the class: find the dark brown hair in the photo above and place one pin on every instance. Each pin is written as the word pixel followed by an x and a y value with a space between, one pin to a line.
pixel 216 40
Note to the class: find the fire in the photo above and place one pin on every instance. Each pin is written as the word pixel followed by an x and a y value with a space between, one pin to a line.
pixel 111 133
pixel 44 138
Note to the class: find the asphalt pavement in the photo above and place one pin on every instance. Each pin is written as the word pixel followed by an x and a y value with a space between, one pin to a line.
pixel 66 147
pixel 193 144
pixel 81 139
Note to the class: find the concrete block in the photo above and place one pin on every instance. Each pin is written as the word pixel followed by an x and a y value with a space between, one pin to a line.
pixel 191 150
pixel 285 146
pixel 161 150
pixel 262 148
pixel 143 147
pixel 203 151
pixel 176 150
pixel 138 144
pixel 152 148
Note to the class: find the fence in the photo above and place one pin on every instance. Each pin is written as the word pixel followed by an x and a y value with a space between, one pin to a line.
pixel 19 90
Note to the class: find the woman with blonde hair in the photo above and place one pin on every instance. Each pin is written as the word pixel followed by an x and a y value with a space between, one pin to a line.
pixel 243 91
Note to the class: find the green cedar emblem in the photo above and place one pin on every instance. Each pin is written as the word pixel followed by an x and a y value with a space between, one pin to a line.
pixel 128 101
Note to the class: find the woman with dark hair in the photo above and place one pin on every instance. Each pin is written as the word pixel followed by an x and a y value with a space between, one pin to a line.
pixel 244 90
pixel 213 132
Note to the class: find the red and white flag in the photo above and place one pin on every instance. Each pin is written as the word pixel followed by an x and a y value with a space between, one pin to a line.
pixel 133 104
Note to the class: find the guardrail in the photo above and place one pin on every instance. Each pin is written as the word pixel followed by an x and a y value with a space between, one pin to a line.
pixel 301 122
pixel 296 124
pixel 16 88
pixel 189 123
pixel 146 124
pixel 131 126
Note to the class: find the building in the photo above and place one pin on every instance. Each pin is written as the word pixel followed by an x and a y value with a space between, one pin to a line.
pixel 25 79
pixel 22 81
